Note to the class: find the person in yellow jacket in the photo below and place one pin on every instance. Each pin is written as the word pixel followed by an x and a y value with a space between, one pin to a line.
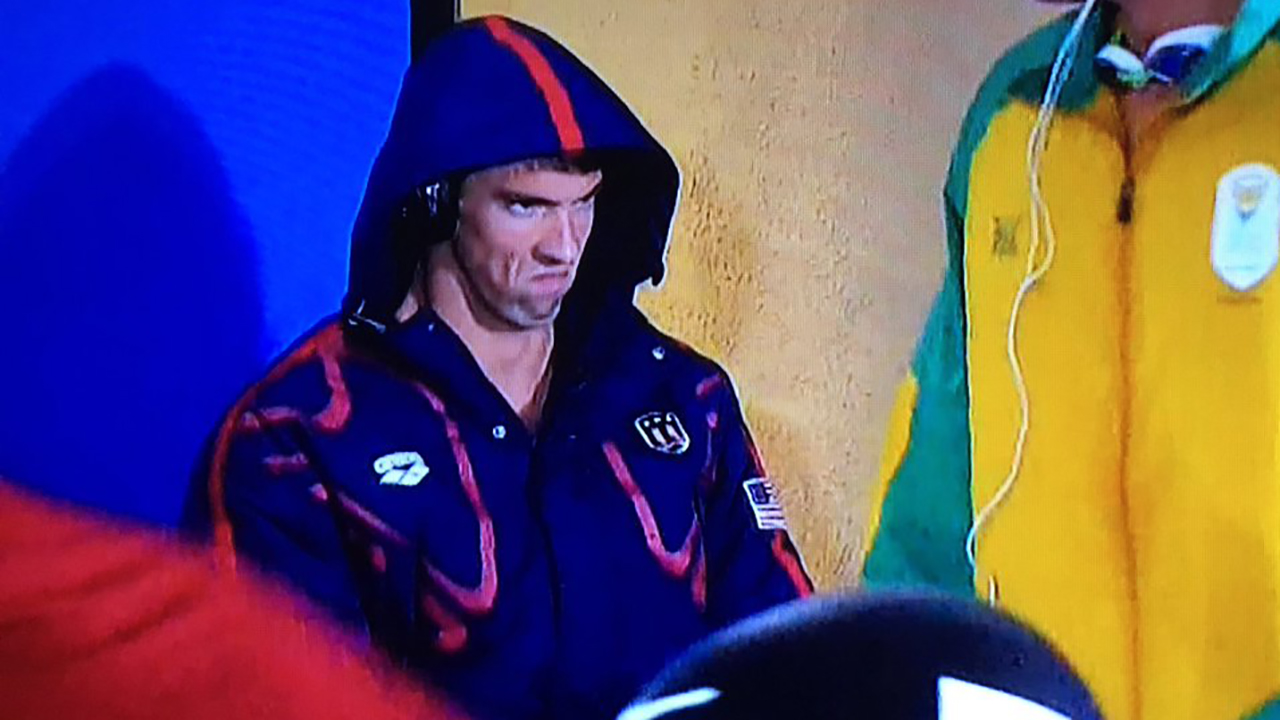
pixel 1090 434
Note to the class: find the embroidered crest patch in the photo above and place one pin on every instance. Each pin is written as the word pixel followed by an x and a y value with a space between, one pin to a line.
pixel 663 432
pixel 1246 226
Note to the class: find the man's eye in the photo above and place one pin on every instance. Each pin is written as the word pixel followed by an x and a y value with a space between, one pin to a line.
pixel 521 209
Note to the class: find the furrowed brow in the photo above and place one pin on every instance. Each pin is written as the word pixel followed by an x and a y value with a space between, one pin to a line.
pixel 594 191
pixel 517 198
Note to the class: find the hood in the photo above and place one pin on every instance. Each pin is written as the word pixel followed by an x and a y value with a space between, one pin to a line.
pixel 492 91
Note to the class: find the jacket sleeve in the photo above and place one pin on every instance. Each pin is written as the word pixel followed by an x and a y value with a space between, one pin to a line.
pixel 752 563
pixel 922 507
pixel 265 504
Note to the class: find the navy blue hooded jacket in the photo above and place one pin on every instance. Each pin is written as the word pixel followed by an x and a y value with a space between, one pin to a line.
pixel 375 467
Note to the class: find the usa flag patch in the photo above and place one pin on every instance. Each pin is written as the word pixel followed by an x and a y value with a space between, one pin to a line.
pixel 763 497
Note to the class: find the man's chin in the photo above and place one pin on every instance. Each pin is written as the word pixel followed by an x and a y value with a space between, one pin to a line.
pixel 529 318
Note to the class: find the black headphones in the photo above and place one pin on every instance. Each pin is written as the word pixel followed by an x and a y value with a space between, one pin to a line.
pixel 430 215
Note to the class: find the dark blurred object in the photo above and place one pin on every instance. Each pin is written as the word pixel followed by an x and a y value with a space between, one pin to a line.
pixel 108 622
pixel 428 18
pixel 882 656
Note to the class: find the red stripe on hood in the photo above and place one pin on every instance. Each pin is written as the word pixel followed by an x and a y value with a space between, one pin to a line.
pixel 553 91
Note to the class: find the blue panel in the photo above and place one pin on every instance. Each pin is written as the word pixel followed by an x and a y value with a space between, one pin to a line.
pixel 177 186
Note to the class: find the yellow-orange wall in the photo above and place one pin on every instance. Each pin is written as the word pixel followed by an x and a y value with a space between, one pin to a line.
pixel 813 136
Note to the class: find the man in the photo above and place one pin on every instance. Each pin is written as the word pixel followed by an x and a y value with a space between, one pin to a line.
pixel 1091 411
pixel 103 620
pixel 492 462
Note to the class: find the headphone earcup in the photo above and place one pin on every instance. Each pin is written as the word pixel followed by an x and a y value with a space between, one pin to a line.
pixel 427 216
pixel 430 214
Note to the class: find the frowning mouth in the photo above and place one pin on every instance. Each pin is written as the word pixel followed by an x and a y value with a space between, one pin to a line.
pixel 550 282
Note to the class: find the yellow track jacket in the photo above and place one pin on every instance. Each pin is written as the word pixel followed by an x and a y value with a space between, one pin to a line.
pixel 1142 534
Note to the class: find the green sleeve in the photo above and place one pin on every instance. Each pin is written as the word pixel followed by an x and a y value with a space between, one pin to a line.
pixel 1270 711
pixel 926 513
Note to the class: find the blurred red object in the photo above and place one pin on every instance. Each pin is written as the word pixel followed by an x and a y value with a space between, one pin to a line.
pixel 110 621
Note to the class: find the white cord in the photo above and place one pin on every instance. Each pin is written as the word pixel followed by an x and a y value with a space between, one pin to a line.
pixel 1039 216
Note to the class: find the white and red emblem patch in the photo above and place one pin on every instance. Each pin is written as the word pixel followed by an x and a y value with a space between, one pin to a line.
pixel 663 432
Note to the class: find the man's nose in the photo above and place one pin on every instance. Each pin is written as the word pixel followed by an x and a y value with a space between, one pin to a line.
pixel 562 241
